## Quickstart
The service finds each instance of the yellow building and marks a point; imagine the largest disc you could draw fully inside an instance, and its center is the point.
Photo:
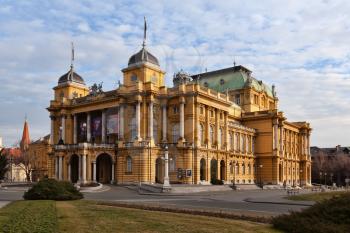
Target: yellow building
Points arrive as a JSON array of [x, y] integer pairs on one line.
[[219, 125]]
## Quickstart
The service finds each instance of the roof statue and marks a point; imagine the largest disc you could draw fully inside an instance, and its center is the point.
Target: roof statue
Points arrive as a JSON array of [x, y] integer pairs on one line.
[[96, 89]]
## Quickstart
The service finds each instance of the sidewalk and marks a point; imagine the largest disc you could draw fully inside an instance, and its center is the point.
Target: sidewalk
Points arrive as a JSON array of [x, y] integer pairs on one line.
[[3, 203]]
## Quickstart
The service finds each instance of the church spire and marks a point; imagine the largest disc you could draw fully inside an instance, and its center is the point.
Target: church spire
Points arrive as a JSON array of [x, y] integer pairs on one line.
[[25, 136]]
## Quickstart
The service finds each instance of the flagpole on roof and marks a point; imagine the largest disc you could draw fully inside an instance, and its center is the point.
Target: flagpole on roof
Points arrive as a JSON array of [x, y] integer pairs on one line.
[[144, 32]]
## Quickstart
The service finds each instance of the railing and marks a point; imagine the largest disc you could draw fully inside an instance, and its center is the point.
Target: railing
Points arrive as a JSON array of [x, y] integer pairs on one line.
[[84, 146]]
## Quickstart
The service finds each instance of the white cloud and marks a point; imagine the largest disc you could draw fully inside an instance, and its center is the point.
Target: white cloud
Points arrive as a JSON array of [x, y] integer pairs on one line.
[[301, 47]]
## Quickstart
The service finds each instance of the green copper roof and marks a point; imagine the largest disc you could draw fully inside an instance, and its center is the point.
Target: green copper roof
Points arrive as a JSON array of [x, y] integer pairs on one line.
[[232, 78]]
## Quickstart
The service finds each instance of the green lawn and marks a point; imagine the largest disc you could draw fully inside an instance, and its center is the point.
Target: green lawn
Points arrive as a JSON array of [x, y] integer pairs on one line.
[[85, 216], [319, 196]]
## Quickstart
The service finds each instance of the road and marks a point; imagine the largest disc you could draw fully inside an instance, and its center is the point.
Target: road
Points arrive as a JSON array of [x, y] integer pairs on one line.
[[228, 201]]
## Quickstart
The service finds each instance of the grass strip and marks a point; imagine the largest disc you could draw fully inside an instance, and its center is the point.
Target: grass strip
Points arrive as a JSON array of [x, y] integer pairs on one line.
[[28, 217]]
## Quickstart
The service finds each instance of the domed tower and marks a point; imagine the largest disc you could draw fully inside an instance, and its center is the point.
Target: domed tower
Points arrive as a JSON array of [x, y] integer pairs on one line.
[[70, 85], [143, 67]]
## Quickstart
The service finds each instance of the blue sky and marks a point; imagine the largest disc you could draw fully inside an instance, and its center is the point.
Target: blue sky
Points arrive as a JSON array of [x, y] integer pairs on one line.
[[301, 48]]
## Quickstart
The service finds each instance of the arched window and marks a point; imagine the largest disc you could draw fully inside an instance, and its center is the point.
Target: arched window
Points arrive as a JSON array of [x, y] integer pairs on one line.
[[175, 133], [155, 130], [242, 143], [128, 164], [231, 167], [237, 142], [201, 134], [243, 169], [211, 134], [220, 137], [237, 168], [172, 164], [132, 127], [231, 141], [249, 169]]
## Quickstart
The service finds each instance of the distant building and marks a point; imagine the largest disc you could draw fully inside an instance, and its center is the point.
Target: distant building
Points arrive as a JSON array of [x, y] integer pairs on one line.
[[331, 151], [1, 143], [40, 160], [330, 165], [16, 173]]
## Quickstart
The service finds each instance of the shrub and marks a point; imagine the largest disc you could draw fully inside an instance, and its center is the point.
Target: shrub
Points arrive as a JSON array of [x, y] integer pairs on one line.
[[51, 189], [327, 216]]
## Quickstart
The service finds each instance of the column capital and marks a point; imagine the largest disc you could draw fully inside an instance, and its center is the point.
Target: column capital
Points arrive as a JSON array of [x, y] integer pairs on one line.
[[52, 117], [182, 100]]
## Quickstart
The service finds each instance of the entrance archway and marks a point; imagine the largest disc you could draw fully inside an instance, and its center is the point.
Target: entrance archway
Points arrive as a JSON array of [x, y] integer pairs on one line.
[[222, 170], [203, 169], [213, 170], [159, 171], [74, 168], [280, 173], [104, 169]]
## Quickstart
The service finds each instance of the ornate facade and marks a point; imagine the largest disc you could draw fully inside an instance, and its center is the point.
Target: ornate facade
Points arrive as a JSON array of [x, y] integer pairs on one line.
[[219, 125]]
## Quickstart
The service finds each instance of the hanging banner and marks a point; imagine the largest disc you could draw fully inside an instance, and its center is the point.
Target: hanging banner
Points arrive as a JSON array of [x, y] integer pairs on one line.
[[112, 124], [96, 127], [82, 129]]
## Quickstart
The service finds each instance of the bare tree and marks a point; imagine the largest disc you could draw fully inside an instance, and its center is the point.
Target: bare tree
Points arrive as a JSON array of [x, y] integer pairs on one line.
[[24, 161]]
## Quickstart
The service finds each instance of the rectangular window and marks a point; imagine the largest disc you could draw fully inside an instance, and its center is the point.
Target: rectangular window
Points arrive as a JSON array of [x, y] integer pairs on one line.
[[238, 99]]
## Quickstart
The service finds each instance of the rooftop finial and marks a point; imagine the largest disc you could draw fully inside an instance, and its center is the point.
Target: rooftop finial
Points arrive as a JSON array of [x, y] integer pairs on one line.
[[72, 57], [144, 32]]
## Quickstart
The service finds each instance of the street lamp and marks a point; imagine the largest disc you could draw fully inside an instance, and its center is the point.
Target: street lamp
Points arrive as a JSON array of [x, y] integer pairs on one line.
[[325, 176], [260, 166], [331, 178], [320, 178], [166, 183], [301, 171]]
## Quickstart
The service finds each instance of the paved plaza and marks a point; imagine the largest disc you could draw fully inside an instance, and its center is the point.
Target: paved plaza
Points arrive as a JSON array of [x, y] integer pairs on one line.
[[259, 202]]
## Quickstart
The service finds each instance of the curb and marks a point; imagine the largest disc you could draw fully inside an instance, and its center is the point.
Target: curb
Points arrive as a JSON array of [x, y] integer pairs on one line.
[[278, 203]]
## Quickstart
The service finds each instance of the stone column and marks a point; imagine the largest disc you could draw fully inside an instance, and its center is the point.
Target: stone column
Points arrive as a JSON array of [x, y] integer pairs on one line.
[[150, 120], [164, 123], [79, 169], [69, 172], [275, 134], [84, 169], [94, 171], [138, 120], [88, 127], [75, 129], [227, 133], [182, 119], [121, 122], [56, 167], [166, 183], [60, 168], [112, 180], [281, 140], [103, 138], [52, 133], [63, 124]]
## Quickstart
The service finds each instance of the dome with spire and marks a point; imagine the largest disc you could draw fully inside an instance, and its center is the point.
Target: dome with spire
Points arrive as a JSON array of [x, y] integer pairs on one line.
[[143, 56], [71, 76]]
